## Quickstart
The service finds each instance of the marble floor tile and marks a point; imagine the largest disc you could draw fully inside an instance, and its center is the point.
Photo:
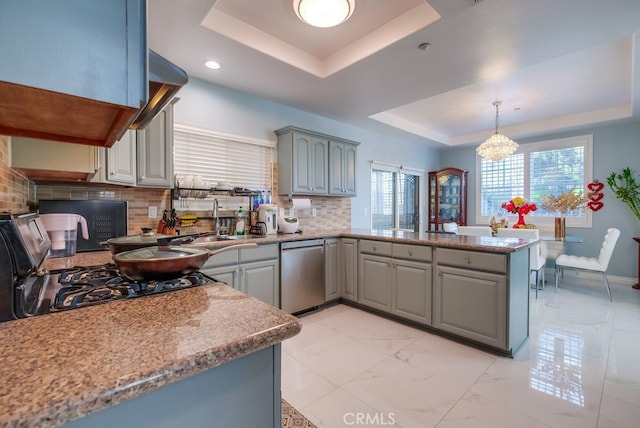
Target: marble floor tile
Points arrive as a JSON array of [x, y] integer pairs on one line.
[[579, 368]]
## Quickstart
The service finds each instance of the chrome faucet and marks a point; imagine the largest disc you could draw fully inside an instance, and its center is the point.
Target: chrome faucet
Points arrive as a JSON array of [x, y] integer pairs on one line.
[[216, 216]]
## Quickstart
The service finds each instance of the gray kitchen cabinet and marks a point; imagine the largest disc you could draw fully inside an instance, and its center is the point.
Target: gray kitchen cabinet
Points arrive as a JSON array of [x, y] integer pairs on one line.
[[470, 295], [304, 164], [348, 259], [374, 282], [217, 397], [411, 290], [254, 271], [342, 168], [374, 274], [333, 274], [262, 281], [141, 158], [118, 163], [155, 151], [396, 278]]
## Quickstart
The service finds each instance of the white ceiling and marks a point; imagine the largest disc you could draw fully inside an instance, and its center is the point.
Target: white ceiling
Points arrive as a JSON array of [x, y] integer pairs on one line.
[[554, 64]]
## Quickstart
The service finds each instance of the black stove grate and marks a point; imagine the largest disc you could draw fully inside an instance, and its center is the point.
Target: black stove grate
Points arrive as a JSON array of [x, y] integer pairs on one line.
[[83, 286]]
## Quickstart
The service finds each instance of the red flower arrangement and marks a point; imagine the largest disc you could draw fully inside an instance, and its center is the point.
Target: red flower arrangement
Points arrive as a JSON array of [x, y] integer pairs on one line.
[[520, 206]]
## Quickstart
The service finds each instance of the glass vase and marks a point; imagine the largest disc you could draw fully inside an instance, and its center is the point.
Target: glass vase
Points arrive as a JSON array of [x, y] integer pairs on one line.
[[560, 228]]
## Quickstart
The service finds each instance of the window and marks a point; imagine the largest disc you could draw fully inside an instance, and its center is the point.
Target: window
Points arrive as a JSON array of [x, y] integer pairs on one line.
[[537, 169], [395, 197], [239, 161]]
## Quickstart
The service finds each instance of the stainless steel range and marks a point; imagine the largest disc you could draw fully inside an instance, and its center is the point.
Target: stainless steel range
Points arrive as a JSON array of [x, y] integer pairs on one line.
[[27, 290]]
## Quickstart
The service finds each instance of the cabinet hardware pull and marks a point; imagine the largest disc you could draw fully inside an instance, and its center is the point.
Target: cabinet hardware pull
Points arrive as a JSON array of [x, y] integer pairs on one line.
[[467, 259], [410, 253]]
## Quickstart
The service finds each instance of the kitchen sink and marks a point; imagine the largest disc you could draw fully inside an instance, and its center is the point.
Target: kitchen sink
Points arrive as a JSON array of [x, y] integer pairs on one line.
[[204, 240], [239, 237]]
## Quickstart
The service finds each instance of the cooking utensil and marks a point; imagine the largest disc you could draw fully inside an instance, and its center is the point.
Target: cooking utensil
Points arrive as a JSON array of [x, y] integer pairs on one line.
[[132, 242], [166, 262], [162, 224]]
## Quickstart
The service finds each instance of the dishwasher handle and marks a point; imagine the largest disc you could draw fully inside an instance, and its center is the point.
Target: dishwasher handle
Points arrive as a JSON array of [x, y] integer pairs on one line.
[[292, 245]]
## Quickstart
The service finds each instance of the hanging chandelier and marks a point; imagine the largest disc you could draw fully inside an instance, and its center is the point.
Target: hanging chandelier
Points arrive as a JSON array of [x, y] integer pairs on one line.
[[324, 13], [498, 146]]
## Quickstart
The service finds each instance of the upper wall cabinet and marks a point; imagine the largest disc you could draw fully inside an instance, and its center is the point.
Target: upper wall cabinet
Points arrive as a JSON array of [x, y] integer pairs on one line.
[[73, 71], [141, 158], [342, 168], [311, 163]]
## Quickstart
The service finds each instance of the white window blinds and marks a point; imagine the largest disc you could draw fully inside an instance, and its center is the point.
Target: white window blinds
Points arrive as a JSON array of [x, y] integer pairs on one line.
[[237, 161], [537, 169]]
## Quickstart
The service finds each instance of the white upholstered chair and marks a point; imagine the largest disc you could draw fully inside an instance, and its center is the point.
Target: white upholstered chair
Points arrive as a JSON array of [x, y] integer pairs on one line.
[[450, 227], [474, 230], [593, 264], [537, 252]]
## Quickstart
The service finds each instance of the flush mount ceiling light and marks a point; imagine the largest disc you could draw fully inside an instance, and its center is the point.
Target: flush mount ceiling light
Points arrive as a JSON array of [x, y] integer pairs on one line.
[[498, 146], [324, 13]]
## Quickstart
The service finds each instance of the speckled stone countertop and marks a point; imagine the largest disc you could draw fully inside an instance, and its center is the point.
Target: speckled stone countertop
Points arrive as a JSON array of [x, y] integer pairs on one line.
[[59, 367]]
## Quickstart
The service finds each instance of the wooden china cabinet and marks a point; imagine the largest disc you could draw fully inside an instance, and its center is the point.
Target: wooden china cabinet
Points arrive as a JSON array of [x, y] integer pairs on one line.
[[447, 197]]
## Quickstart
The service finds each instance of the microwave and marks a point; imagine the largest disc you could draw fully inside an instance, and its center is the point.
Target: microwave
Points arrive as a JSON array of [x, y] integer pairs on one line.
[[105, 219]]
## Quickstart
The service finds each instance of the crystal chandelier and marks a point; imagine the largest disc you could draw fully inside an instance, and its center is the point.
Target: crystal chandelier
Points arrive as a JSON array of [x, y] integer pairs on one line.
[[324, 13], [498, 146]]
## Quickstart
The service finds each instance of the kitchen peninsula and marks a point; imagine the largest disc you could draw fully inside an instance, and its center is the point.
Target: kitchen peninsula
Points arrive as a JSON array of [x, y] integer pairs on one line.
[[184, 358], [94, 365]]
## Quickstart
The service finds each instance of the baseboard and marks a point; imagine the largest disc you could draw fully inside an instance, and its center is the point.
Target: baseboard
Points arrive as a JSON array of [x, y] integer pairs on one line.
[[575, 274]]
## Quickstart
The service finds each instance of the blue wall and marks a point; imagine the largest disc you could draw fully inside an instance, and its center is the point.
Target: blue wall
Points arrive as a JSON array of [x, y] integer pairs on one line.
[[209, 106], [614, 147], [214, 107]]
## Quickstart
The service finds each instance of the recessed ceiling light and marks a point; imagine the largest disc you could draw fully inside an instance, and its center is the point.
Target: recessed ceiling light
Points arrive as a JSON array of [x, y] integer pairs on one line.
[[424, 46], [214, 65]]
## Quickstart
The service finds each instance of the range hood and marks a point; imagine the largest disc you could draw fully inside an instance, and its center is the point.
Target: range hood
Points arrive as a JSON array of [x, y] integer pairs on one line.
[[39, 113], [165, 80]]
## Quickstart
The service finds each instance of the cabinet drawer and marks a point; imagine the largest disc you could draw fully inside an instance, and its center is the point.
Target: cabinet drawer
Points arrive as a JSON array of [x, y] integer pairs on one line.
[[375, 247], [263, 252], [411, 252], [472, 259]]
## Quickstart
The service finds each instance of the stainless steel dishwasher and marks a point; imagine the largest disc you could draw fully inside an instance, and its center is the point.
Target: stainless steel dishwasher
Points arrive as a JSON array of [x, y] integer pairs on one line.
[[302, 275]]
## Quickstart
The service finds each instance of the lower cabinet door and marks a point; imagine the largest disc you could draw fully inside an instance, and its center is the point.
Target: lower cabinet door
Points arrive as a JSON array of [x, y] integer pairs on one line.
[[333, 275], [411, 291], [348, 265], [226, 274], [261, 280], [471, 304], [374, 282]]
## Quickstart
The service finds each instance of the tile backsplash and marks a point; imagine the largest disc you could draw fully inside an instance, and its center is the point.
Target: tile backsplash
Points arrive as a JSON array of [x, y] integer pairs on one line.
[[14, 188], [331, 212]]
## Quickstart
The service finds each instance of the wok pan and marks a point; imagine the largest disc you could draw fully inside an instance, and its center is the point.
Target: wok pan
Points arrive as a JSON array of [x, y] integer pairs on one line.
[[165, 262]]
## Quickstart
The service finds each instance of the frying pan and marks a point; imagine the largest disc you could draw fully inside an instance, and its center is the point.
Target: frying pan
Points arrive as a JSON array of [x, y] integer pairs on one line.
[[148, 239], [165, 262]]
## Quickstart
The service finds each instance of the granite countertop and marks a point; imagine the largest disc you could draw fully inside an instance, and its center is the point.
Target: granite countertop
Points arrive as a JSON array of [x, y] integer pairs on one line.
[[480, 243], [62, 366]]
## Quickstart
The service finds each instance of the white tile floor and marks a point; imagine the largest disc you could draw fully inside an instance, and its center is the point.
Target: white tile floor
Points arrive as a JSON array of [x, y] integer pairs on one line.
[[580, 368]]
